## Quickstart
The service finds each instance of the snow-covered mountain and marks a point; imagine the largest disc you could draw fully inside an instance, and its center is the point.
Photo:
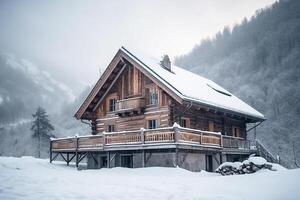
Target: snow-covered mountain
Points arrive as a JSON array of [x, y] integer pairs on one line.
[[23, 87]]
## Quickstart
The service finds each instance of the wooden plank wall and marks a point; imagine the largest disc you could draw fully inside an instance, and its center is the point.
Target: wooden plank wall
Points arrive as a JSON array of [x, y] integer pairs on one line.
[[205, 119], [132, 83]]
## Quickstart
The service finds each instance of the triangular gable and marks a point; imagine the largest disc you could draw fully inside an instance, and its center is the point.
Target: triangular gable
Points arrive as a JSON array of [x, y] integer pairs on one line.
[[121, 58]]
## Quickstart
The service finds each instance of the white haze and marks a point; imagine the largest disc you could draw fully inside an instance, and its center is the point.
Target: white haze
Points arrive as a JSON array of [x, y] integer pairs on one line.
[[74, 39]]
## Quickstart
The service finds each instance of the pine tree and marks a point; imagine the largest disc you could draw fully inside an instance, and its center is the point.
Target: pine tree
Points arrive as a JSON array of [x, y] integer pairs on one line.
[[41, 127]]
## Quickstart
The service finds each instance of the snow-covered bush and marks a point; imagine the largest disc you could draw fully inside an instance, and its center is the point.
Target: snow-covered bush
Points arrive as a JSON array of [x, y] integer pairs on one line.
[[251, 165]]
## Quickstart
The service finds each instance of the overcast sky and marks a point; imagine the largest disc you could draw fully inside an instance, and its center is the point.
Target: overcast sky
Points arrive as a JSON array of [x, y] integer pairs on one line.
[[76, 38]]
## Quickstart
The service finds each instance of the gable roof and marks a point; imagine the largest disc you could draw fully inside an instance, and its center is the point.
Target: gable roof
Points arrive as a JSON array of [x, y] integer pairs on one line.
[[184, 84]]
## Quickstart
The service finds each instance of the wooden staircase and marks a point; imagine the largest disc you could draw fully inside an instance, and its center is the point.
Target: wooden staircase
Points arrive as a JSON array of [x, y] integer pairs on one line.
[[265, 153]]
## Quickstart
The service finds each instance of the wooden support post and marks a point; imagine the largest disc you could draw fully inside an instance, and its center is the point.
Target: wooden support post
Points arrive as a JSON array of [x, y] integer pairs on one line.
[[73, 156], [221, 158], [50, 151], [62, 155], [143, 158], [54, 157], [76, 152], [82, 157], [108, 159], [68, 159], [176, 157]]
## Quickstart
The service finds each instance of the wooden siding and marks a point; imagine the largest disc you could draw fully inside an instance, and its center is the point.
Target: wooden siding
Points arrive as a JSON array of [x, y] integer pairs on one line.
[[132, 87], [208, 120]]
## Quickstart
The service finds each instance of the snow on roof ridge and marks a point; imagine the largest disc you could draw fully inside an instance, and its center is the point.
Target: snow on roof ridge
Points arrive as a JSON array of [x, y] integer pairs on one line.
[[195, 88]]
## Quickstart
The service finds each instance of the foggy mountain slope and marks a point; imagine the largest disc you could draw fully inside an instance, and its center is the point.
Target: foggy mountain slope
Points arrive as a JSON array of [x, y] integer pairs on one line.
[[259, 61], [24, 86]]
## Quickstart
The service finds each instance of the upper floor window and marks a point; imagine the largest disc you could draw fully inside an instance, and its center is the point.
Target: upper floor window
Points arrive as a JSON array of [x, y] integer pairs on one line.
[[184, 122], [235, 131], [152, 124], [111, 128], [153, 96], [112, 104]]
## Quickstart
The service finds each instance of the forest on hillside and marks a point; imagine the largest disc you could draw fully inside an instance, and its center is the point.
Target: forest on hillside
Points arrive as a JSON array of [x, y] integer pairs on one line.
[[258, 60]]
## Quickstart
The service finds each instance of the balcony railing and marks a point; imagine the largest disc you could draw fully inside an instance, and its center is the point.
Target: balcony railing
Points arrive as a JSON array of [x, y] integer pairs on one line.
[[131, 104], [235, 142], [144, 137]]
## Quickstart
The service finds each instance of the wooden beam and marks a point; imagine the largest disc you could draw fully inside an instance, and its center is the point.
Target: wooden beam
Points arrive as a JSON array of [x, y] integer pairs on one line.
[[54, 157], [116, 78]]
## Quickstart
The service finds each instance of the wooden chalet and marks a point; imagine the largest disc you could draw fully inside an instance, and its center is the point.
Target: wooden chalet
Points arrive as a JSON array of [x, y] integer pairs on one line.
[[145, 112]]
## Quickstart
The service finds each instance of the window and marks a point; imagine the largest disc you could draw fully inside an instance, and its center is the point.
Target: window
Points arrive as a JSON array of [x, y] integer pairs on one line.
[[112, 104], [153, 96], [235, 131], [184, 122], [111, 128], [152, 124]]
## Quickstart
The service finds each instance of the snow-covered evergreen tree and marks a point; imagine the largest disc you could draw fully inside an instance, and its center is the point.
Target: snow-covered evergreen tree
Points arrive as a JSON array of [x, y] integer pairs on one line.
[[41, 127]]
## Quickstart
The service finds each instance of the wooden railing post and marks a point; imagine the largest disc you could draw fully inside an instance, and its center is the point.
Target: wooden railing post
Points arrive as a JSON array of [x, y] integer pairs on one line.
[[221, 141], [201, 139], [50, 150], [176, 131], [142, 135]]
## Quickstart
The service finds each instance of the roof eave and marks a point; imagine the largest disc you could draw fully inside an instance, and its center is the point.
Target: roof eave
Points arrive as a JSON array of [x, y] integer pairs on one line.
[[226, 110]]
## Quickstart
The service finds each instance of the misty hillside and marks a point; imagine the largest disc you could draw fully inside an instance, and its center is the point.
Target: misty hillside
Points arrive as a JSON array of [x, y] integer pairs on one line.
[[23, 87], [259, 61]]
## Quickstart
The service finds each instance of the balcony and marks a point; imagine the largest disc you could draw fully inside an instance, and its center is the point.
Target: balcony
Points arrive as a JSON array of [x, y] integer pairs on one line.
[[170, 137], [131, 106]]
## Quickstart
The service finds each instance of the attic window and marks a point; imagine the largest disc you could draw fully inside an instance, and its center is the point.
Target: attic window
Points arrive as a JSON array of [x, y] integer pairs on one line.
[[217, 90]]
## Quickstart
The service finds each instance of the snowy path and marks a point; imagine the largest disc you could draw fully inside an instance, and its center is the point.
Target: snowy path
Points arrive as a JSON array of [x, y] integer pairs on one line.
[[29, 178]]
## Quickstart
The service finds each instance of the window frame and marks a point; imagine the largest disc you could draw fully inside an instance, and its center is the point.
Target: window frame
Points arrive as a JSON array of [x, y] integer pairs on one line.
[[186, 120], [110, 128], [150, 124], [236, 131], [153, 96], [112, 102]]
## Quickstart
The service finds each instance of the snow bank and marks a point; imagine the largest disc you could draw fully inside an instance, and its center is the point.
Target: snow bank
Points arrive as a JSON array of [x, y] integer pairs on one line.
[[35, 179], [256, 160]]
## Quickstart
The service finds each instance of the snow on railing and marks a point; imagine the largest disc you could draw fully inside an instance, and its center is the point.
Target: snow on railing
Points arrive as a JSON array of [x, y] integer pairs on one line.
[[175, 134]]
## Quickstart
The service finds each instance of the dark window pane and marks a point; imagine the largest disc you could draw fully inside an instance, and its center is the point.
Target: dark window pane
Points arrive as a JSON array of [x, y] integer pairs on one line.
[[183, 122], [152, 124], [112, 105], [111, 128]]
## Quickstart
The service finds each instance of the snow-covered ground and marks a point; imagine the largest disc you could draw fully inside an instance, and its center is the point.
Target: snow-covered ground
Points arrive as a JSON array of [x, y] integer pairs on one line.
[[30, 178]]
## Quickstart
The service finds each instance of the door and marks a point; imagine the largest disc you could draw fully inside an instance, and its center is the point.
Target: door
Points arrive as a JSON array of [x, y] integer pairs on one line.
[[209, 163], [127, 161], [103, 161]]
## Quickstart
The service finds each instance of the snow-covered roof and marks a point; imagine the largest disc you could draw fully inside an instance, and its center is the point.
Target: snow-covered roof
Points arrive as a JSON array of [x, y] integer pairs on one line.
[[192, 87]]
